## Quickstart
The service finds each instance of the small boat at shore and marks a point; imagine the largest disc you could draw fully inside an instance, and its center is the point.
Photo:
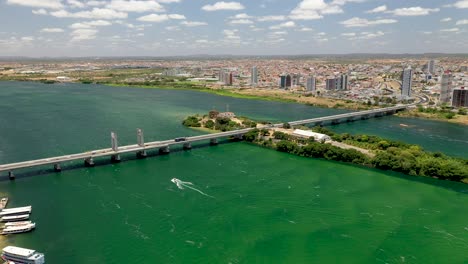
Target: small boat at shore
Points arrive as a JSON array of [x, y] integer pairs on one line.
[[20, 223], [22, 255], [17, 210], [3, 203], [12, 218], [18, 229]]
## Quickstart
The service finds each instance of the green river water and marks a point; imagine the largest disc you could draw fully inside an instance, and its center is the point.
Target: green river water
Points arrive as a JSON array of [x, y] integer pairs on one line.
[[267, 206]]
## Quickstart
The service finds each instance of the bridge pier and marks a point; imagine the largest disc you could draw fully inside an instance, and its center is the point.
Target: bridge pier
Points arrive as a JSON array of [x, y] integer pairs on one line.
[[237, 137], [350, 119], [364, 117], [319, 123], [11, 175], [335, 122], [187, 146], [57, 167], [89, 162], [115, 158], [213, 141], [141, 154], [164, 150]]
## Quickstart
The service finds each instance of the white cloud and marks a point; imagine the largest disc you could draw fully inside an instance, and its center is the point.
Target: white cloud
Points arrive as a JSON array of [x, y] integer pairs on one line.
[[91, 24], [241, 21], [450, 30], [461, 4], [363, 35], [160, 18], [95, 13], [413, 11], [223, 6], [362, 22], [135, 6], [193, 23], [241, 16], [271, 18], [169, 1], [76, 4], [378, 9], [305, 29], [231, 35], [288, 24], [315, 9], [83, 34], [40, 12], [95, 3], [447, 19], [53, 4], [52, 30], [27, 38], [462, 22]]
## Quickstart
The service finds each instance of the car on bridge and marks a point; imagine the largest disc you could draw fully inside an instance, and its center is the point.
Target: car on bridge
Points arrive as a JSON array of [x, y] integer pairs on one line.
[[179, 139]]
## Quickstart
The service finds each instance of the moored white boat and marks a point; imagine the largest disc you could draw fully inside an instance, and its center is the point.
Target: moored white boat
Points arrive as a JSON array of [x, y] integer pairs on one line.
[[20, 223], [18, 229], [11, 218], [22, 255], [17, 210]]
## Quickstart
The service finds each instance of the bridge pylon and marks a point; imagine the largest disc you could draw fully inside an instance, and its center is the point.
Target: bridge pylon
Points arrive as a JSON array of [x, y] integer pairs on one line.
[[141, 142], [115, 147]]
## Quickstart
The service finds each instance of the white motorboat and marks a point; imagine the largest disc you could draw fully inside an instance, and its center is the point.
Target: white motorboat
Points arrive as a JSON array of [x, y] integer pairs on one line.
[[22, 255]]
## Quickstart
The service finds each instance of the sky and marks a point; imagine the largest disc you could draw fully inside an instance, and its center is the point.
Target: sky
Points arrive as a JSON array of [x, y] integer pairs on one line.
[[74, 28]]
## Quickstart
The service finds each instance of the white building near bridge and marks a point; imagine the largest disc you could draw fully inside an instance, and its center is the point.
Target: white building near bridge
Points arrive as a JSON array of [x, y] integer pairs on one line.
[[308, 134]]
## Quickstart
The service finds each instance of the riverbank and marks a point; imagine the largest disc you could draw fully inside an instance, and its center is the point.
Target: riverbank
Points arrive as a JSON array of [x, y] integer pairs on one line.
[[289, 97], [456, 119]]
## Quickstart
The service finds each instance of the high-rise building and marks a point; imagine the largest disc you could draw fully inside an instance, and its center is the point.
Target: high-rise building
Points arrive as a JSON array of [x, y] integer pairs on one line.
[[221, 76], [406, 82], [445, 88], [311, 84], [431, 66], [344, 82], [254, 76], [228, 78], [283, 81], [295, 79], [460, 97], [330, 84]]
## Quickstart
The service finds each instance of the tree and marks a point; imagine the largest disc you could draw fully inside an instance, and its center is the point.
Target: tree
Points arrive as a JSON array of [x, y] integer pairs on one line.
[[213, 114], [209, 124], [286, 126], [251, 135]]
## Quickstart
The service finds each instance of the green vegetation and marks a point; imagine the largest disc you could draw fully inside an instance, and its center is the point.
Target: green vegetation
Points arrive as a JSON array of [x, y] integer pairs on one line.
[[442, 112], [214, 121], [389, 154]]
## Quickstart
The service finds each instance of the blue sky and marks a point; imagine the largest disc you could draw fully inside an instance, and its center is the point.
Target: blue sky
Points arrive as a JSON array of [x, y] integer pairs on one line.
[[240, 27]]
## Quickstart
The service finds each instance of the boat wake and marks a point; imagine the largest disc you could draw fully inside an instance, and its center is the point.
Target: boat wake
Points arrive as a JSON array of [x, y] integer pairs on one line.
[[181, 184]]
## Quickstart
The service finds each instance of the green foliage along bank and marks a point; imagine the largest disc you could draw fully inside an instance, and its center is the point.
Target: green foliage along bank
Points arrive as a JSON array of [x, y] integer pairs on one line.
[[389, 155]]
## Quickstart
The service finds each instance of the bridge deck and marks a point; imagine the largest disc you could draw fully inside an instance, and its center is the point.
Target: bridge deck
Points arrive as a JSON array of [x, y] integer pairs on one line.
[[166, 143]]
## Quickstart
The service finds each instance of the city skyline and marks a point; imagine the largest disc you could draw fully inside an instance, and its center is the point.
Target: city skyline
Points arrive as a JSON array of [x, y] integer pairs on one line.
[[75, 28]]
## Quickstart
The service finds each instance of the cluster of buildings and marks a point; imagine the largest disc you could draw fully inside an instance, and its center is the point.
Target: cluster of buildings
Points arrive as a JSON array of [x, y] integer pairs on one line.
[[364, 80]]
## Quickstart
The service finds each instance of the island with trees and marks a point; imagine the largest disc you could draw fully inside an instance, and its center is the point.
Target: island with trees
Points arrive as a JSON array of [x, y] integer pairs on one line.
[[365, 150]]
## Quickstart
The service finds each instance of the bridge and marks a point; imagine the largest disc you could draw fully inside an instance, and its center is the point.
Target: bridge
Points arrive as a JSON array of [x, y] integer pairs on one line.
[[141, 147]]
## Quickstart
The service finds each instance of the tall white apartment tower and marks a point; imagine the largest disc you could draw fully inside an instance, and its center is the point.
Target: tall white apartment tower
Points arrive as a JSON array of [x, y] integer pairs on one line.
[[311, 84], [406, 82], [254, 76], [431, 66], [446, 88]]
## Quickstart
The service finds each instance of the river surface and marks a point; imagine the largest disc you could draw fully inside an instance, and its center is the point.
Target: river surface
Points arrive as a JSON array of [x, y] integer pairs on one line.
[[254, 206]]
